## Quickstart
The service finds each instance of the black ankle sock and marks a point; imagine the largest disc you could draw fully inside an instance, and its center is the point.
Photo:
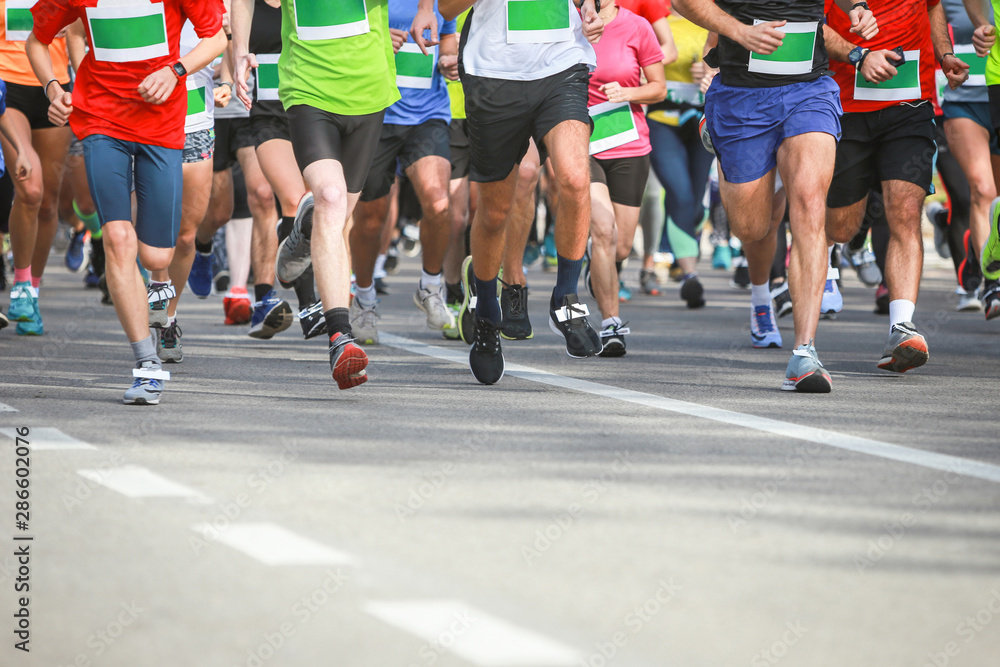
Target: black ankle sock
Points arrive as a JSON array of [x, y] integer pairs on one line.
[[203, 248], [304, 290], [337, 321], [261, 290], [285, 228], [454, 292], [618, 267]]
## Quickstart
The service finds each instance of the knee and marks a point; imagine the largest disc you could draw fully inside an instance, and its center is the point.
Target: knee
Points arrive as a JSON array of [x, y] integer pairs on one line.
[[119, 243], [185, 240], [439, 207], [527, 175], [982, 190], [260, 197], [330, 198], [840, 229], [574, 185], [30, 192]]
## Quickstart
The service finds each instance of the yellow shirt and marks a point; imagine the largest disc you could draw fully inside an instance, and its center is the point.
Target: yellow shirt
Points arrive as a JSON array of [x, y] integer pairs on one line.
[[681, 87]]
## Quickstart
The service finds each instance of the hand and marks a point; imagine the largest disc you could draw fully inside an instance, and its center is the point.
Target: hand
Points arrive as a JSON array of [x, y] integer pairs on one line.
[[698, 70], [223, 93], [983, 39], [61, 107], [877, 67], [424, 20], [244, 63], [449, 67], [706, 80], [22, 168], [158, 86], [593, 26], [616, 93], [956, 71], [762, 38], [863, 22], [399, 37]]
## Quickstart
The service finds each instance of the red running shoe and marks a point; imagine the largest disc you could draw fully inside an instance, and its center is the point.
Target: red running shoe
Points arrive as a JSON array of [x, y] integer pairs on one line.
[[347, 361], [237, 306]]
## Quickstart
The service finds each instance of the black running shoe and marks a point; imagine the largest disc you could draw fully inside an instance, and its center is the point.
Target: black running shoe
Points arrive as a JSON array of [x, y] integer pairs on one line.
[[514, 305], [312, 321], [693, 292], [102, 284], [569, 320], [991, 299], [485, 356], [381, 287], [741, 276], [613, 340]]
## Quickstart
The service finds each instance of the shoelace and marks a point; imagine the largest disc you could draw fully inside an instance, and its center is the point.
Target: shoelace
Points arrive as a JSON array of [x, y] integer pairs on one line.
[[342, 341], [487, 338], [765, 323], [172, 333], [518, 296]]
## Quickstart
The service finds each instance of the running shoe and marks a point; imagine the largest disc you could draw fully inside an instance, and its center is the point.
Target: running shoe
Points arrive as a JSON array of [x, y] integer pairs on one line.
[[763, 329], [968, 301], [431, 303], [168, 344], [271, 316], [782, 299], [294, 252], [906, 349], [693, 292], [991, 299], [237, 306], [833, 301], [453, 332], [549, 252], [74, 251], [91, 280], [33, 326], [220, 283], [514, 306], [3, 320], [347, 362], [200, 279], [805, 372], [990, 261], [381, 288], [312, 321], [570, 321], [22, 302], [613, 340], [409, 240], [970, 274], [649, 283], [741, 274], [624, 292], [159, 296], [392, 260], [467, 312], [532, 253], [938, 216], [863, 263], [882, 300], [486, 356], [722, 257], [364, 322], [147, 387]]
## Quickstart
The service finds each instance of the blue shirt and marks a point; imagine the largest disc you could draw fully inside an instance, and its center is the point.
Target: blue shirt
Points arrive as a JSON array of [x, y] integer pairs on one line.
[[418, 106]]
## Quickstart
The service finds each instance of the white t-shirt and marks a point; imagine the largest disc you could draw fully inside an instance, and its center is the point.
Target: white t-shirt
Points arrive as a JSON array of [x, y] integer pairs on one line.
[[497, 50], [200, 81]]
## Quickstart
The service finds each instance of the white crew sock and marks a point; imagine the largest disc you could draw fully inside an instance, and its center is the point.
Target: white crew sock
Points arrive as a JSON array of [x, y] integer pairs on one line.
[[616, 321], [760, 295], [428, 280], [900, 311], [366, 294], [380, 267]]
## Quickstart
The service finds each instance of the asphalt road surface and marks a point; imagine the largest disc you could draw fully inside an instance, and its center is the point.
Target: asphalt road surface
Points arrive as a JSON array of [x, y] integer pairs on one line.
[[671, 508]]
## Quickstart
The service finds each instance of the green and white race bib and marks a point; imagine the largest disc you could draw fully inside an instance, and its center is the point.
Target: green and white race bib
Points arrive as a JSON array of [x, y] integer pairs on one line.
[[18, 19], [977, 65], [413, 68], [679, 92], [330, 19], [267, 77], [614, 126], [903, 87], [538, 21], [128, 34], [197, 107], [794, 56]]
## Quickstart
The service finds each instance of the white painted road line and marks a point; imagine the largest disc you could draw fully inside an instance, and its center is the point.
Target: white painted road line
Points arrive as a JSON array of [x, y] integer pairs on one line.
[[451, 626], [43, 438], [138, 482], [926, 459], [7, 408], [272, 544]]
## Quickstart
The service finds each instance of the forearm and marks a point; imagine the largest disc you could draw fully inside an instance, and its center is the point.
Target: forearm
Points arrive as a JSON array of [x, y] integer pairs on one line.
[[648, 93], [207, 50], [240, 20], [708, 15], [449, 45], [939, 31], [837, 47], [978, 11], [226, 68], [41, 62], [449, 8], [10, 134], [666, 39]]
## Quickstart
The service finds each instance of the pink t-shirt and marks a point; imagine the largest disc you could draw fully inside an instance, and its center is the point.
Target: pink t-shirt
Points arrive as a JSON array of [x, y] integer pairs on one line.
[[628, 45]]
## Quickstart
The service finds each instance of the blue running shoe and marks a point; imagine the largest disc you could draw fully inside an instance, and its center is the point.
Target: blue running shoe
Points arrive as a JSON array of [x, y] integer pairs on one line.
[[763, 329], [22, 300], [271, 316], [806, 373], [833, 301], [74, 252], [200, 279], [32, 327], [91, 280], [722, 257], [624, 292]]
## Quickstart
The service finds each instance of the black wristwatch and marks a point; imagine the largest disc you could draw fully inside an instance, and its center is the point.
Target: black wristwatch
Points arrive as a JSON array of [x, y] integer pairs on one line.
[[862, 5], [856, 56], [179, 70], [861, 61], [597, 5]]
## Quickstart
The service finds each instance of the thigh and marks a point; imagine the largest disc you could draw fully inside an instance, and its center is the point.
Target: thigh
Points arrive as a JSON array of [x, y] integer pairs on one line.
[[568, 146], [277, 161], [904, 202], [197, 189], [159, 189], [382, 171], [560, 98], [969, 143], [430, 178], [602, 213], [428, 140], [499, 125], [109, 176], [627, 180]]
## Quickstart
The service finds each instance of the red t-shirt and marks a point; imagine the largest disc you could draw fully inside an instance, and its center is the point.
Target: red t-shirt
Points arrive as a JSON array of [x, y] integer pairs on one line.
[[628, 45], [131, 42], [651, 10], [902, 23]]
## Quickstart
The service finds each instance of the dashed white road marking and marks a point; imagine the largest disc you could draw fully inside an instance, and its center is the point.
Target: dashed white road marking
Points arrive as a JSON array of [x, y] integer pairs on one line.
[[41, 438], [7, 408], [137, 482], [272, 544]]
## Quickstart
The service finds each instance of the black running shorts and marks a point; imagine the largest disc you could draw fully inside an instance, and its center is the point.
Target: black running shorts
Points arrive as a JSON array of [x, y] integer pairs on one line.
[[265, 128], [504, 115], [231, 136], [460, 150], [31, 101], [321, 135], [398, 148], [624, 176], [994, 93], [894, 144]]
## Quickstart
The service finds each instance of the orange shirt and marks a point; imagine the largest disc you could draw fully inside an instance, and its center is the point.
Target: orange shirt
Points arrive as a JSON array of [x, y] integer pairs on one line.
[[14, 65]]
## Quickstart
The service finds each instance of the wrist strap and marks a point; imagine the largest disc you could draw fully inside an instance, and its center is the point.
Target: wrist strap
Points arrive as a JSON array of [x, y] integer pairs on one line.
[[950, 53], [863, 5], [863, 56], [49, 83]]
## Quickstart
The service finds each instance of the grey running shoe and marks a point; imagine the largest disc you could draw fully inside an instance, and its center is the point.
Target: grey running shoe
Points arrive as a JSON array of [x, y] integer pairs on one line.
[[168, 344], [431, 303], [968, 301], [148, 384], [364, 321], [863, 262], [805, 372], [906, 349], [294, 253], [159, 296]]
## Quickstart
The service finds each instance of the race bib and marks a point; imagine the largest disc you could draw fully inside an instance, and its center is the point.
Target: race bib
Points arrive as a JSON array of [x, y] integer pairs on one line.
[[977, 65], [614, 126], [685, 93], [903, 87], [128, 34], [538, 21], [323, 19], [413, 68], [794, 56], [18, 19], [267, 77], [198, 101]]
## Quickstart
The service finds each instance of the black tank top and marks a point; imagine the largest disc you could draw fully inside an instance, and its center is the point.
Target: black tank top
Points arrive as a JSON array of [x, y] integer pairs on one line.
[[265, 38]]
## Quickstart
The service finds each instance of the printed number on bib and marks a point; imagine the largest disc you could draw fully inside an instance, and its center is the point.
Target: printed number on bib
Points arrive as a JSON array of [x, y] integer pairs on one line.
[[977, 66], [538, 21], [679, 92], [326, 19], [413, 68], [614, 126], [794, 56], [128, 34], [197, 107], [18, 19], [903, 87], [267, 77]]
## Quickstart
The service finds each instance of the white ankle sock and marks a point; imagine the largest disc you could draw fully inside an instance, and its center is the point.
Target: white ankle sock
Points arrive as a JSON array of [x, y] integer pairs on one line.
[[616, 321], [366, 294], [760, 295], [380, 267], [427, 280], [901, 311]]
